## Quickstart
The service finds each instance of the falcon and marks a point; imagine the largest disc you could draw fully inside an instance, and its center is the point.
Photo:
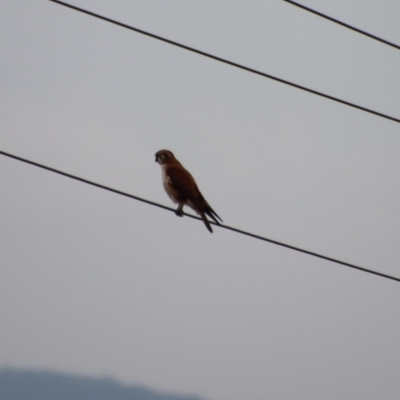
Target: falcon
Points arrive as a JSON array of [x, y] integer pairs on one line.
[[182, 188]]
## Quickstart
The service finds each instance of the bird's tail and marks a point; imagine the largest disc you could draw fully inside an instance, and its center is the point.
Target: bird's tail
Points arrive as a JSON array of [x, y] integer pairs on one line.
[[203, 208], [212, 214], [205, 220]]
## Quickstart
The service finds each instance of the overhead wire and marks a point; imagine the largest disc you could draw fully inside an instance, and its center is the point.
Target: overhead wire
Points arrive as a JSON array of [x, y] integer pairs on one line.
[[190, 215], [343, 24], [225, 61], [222, 226]]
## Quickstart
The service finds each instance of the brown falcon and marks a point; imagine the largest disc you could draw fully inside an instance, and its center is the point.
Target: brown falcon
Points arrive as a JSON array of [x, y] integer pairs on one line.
[[182, 188]]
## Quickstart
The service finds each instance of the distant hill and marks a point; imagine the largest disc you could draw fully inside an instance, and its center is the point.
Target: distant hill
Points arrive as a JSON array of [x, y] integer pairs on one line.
[[25, 384]]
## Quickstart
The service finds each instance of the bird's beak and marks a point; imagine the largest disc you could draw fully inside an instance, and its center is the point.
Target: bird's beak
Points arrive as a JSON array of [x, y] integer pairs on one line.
[[156, 159]]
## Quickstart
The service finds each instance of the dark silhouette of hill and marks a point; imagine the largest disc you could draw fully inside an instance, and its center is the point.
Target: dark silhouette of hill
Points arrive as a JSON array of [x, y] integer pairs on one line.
[[26, 384]]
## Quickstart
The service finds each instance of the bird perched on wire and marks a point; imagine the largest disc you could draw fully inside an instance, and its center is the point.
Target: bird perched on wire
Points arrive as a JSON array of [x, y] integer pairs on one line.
[[182, 188]]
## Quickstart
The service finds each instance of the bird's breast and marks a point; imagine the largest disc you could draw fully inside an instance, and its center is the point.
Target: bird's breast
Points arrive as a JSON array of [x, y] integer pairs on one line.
[[168, 186]]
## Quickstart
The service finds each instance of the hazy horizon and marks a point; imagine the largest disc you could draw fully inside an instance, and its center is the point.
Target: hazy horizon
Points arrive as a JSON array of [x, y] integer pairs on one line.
[[31, 384]]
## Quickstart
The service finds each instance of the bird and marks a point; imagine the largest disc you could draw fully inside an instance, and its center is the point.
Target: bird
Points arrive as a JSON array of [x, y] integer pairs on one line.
[[182, 188]]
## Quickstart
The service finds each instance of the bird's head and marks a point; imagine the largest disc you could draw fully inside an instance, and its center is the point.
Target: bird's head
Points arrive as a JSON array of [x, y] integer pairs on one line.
[[164, 156]]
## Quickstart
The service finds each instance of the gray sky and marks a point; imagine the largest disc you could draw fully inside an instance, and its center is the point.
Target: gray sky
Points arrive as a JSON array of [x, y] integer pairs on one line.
[[98, 284]]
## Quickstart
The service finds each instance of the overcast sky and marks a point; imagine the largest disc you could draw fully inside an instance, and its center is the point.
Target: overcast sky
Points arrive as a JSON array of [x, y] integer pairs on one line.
[[98, 284]]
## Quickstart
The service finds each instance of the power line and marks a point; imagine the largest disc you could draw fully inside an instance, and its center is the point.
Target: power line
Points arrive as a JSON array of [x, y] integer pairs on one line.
[[152, 203], [203, 53], [343, 24]]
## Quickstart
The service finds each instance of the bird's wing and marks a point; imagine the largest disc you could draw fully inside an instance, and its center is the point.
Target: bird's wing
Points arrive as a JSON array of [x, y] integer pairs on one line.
[[183, 182]]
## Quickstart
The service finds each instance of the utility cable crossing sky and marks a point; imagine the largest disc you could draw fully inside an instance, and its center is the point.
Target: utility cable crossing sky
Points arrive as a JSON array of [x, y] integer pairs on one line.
[[243, 67], [353, 28], [152, 203]]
